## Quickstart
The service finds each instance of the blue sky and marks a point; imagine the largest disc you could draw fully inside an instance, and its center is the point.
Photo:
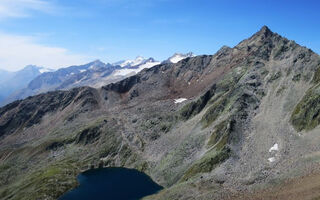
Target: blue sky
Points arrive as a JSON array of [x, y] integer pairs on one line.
[[58, 33]]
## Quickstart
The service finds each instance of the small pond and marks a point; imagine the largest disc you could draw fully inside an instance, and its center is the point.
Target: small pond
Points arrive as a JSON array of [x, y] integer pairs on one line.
[[112, 184]]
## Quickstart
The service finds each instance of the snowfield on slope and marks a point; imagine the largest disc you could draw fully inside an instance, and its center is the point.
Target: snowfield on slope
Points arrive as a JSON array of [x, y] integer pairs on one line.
[[180, 100]]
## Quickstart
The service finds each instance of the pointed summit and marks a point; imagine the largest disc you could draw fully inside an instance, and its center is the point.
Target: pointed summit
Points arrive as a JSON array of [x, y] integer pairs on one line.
[[265, 31], [263, 36], [97, 62]]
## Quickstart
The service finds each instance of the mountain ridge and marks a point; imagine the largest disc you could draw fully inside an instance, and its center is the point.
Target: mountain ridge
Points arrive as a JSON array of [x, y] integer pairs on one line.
[[13, 81], [94, 74], [217, 143]]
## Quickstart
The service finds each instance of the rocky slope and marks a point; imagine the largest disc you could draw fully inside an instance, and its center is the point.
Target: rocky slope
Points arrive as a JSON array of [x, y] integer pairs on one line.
[[241, 123]]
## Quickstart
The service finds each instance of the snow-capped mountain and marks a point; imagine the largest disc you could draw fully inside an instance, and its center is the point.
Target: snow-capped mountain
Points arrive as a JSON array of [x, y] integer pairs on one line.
[[94, 74], [178, 57], [139, 60], [130, 63], [131, 67], [44, 70]]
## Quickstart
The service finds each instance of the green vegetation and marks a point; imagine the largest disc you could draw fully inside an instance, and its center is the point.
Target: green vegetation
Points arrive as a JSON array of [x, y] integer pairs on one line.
[[173, 165], [207, 163], [4, 167], [125, 153], [316, 76], [306, 114], [88, 135], [46, 183], [217, 153], [110, 147], [264, 72], [165, 127], [58, 154], [215, 111], [142, 166], [220, 133], [217, 96], [159, 123], [281, 49], [280, 90], [227, 95], [296, 77], [306, 77], [275, 76], [196, 107]]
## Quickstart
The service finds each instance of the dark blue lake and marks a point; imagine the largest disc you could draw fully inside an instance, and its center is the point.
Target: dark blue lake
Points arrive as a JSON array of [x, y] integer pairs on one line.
[[112, 184]]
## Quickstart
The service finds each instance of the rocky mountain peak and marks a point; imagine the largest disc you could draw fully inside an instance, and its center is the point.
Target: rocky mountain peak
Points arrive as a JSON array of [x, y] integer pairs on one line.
[[265, 31], [259, 37], [263, 35], [264, 44], [97, 63], [150, 60]]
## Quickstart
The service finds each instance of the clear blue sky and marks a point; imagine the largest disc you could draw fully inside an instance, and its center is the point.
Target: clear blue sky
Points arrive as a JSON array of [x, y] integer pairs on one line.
[[112, 30]]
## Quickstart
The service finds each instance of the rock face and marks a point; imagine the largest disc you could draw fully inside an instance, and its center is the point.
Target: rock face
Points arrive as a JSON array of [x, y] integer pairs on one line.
[[238, 103]]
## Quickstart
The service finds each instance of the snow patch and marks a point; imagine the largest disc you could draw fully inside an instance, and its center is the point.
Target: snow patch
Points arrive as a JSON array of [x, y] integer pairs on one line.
[[43, 70], [126, 71], [275, 147], [272, 159], [82, 70], [178, 57], [180, 100], [131, 63]]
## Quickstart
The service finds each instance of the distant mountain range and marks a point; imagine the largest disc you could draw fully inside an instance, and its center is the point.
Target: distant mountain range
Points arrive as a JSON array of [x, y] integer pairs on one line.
[[13, 81], [34, 80]]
